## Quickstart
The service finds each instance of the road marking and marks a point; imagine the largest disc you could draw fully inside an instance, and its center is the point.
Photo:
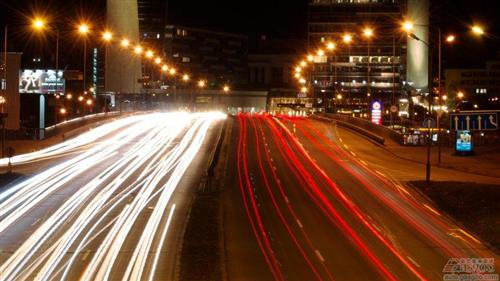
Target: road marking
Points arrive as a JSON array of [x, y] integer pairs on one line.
[[363, 161], [320, 257], [286, 200], [340, 139], [432, 210], [86, 255], [413, 261], [299, 223], [376, 227], [380, 173], [470, 236], [403, 189], [35, 222], [354, 154]]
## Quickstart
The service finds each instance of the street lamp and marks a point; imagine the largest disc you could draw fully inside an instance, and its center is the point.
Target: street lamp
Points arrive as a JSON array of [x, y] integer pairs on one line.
[[347, 38], [125, 43], [368, 34], [185, 77], [201, 83], [226, 88], [450, 38], [107, 36], [138, 50], [83, 30], [39, 24], [478, 30]]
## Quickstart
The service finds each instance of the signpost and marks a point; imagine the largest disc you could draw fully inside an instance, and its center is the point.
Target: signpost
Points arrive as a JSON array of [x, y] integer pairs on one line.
[[474, 121], [465, 123]]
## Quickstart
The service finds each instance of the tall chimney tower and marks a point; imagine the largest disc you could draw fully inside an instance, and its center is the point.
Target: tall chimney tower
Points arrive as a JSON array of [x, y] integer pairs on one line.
[[122, 69]]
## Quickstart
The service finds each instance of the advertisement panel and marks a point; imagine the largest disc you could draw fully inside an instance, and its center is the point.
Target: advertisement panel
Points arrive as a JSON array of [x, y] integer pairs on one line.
[[376, 110], [464, 142], [38, 81]]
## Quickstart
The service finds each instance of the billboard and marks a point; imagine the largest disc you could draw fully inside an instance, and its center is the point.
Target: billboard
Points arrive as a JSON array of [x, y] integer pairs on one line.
[[464, 141], [376, 109], [38, 81]]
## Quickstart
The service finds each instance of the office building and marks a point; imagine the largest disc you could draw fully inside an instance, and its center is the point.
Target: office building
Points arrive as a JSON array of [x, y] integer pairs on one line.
[[482, 86], [366, 66], [152, 23], [215, 56]]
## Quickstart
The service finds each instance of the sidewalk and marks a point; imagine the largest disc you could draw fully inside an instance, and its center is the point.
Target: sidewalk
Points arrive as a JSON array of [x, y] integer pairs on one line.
[[485, 162]]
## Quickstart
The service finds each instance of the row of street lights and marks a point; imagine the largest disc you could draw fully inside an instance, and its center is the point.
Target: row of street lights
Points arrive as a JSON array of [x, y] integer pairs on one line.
[[84, 29]]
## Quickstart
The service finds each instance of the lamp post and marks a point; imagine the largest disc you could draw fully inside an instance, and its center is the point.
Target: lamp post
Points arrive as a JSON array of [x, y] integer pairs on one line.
[[368, 34], [347, 40], [83, 29], [408, 27]]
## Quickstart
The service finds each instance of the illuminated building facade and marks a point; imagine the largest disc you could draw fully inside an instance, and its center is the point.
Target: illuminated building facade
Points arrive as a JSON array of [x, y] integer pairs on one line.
[[368, 66]]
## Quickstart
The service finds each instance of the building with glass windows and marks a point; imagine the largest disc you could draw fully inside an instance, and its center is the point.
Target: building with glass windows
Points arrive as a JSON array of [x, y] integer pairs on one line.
[[370, 57]]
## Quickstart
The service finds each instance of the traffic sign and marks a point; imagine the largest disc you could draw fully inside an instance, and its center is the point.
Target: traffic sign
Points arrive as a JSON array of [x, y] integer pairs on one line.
[[474, 121], [429, 123]]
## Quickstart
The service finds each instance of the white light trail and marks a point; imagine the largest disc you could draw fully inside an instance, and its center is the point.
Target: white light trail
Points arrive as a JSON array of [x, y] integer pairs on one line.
[[147, 157]]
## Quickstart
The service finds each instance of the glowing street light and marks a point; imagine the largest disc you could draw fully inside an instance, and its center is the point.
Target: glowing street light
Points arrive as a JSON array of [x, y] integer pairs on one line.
[[460, 95], [226, 88], [185, 77], [298, 69], [69, 96], [339, 97], [80, 98], [138, 50], [172, 71], [89, 102], [62, 111], [310, 58], [303, 63], [450, 38], [408, 26], [125, 43], [201, 83], [347, 38], [107, 36], [38, 23], [303, 89], [330, 46], [149, 54], [164, 68], [478, 30], [83, 29], [320, 52], [302, 81], [297, 75], [158, 60], [368, 32]]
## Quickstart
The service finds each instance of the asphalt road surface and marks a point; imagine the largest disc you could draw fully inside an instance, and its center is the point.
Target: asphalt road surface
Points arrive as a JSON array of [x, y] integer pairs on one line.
[[110, 204], [298, 205]]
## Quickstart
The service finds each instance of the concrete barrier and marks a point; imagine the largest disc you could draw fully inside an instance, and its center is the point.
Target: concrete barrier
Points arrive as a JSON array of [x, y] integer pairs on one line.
[[366, 133], [379, 130], [76, 123]]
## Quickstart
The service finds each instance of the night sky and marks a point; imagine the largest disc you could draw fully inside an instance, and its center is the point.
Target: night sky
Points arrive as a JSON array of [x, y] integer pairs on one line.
[[282, 18]]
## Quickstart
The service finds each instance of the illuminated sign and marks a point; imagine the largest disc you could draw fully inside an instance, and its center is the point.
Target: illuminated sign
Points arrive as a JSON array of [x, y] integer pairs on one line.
[[464, 141], [41, 82], [376, 109]]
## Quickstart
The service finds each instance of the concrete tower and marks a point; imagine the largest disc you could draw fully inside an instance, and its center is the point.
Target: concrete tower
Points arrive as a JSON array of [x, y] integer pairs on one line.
[[418, 52], [123, 70]]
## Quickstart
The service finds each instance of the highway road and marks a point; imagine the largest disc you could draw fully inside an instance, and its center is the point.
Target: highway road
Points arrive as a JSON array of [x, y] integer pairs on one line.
[[298, 205], [110, 204]]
